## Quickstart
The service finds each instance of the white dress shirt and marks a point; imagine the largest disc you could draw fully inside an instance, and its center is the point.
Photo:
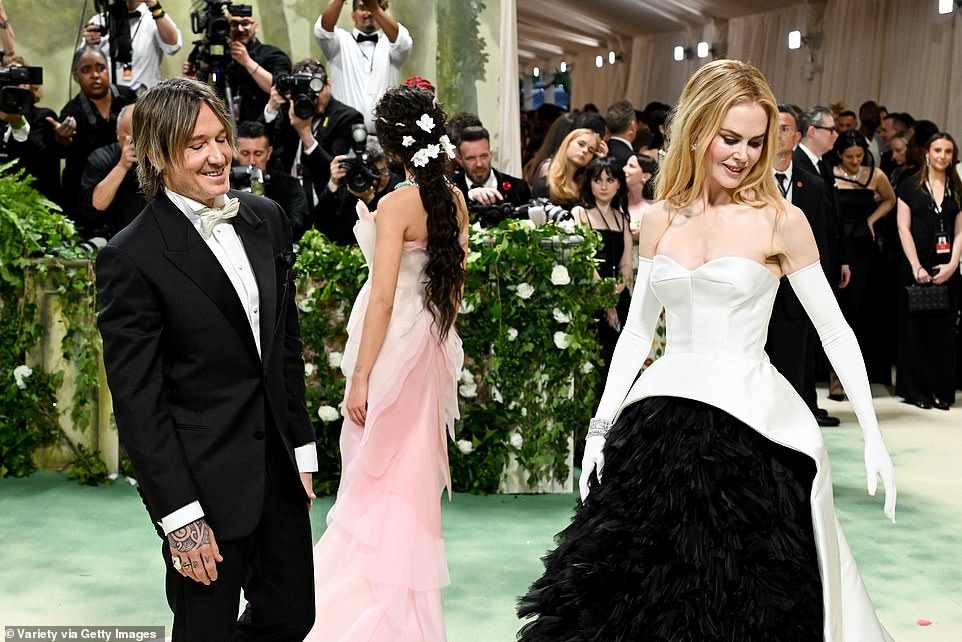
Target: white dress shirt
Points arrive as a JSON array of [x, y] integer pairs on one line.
[[788, 179], [147, 48], [362, 72]]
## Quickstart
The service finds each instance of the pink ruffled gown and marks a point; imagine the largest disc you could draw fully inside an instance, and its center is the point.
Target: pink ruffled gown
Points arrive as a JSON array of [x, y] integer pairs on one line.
[[380, 565]]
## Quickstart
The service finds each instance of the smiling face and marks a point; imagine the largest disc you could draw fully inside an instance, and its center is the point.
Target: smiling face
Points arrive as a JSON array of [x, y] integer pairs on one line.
[[852, 158], [737, 146], [201, 174], [941, 154], [634, 175]]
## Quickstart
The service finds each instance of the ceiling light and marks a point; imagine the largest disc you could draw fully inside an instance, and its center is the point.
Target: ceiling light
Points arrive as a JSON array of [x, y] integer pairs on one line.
[[703, 49], [945, 6], [611, 57], [536, 72], [563, 67], [599, 61], [679, 53], [794, 39]]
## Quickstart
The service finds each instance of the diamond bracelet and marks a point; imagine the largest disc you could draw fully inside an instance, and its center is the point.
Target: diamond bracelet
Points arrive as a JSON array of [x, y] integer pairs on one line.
[[598, 427]]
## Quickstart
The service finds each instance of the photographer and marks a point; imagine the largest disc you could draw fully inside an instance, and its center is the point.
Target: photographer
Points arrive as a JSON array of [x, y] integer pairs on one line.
[[337, 211], [308, 126], [250, 72], [150, 34], [366, 61], [28, 137], [111, 196], [254, 153], [489, 192]]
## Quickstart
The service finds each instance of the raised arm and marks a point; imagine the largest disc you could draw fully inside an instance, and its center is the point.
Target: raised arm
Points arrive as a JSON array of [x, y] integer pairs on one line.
[[330, 14]]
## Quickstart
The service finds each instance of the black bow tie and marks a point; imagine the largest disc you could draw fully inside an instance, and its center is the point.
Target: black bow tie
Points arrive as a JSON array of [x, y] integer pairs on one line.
[[367, 37], [134, 14]]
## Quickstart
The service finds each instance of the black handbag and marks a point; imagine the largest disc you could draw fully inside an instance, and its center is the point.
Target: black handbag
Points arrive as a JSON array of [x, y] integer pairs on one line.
[[927, 298]]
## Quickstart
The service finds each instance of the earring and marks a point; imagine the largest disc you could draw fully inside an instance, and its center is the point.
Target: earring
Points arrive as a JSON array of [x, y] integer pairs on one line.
[[694, 146]]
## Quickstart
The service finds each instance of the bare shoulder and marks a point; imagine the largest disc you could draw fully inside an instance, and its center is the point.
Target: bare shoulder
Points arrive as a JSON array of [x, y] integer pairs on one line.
[[657, 219]]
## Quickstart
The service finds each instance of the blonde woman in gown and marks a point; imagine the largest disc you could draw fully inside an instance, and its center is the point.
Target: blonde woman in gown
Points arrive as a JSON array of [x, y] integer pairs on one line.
[[380, 565], [707, 512]]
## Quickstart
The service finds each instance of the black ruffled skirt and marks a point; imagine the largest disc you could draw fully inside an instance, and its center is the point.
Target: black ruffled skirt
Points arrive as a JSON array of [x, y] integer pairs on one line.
[[701, 531]]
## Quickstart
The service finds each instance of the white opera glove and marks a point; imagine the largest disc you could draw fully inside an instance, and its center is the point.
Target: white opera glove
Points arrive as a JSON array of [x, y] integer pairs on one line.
[[841, 348], [632, 348]]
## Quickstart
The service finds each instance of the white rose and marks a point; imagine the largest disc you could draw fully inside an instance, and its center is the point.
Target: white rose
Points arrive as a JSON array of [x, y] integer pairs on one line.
[[466, 308], [561, 340], [512, 334], [559, 275], [587, 367], [468, 390], [568, 225], [512, 405], [306, 305], [465, 446], [524, 412], [560, 316], [328, 413], [308, 369], [334, 359], [516, 440], [525, 290], [20, 373], [465, 376], [496, 394]]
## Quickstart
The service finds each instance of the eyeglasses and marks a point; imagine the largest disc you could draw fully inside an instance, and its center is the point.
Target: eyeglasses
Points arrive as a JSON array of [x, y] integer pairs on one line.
[[828, 129]]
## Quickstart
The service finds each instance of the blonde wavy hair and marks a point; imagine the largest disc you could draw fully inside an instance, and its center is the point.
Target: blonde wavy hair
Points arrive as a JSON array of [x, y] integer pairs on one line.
[[559, 191], [694, 123]]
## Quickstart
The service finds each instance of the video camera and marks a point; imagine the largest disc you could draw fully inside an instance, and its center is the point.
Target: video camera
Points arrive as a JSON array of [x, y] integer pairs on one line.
[[248, 178], [302, 89], [362, 173], [15, 99], [207, 17]]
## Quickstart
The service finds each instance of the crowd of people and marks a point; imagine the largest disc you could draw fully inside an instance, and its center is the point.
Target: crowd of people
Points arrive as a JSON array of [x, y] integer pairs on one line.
[[821, 235]]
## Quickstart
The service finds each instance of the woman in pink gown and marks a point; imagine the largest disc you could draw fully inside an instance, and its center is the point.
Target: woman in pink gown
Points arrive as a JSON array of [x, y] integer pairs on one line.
[[380, 565]]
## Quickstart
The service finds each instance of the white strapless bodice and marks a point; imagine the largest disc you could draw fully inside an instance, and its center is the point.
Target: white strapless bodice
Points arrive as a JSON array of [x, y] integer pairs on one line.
[[721, 308]]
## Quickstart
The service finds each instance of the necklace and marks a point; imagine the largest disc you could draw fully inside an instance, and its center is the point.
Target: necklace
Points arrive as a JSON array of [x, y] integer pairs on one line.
[[851, 177]]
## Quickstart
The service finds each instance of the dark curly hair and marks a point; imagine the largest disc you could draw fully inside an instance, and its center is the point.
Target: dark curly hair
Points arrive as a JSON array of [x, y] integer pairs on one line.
[[396, 117]]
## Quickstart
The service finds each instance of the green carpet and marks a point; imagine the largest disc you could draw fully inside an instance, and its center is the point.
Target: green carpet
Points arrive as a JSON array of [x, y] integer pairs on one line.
[[74, 555]]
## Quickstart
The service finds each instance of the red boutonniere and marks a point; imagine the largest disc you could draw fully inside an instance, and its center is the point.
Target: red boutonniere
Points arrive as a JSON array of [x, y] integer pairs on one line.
[[506, 186]]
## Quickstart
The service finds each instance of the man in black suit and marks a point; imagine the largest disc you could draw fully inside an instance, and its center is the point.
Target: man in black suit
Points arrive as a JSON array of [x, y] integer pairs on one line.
[[203, 356], [792, 340], [623, 127], [306, 144], [486, 188]]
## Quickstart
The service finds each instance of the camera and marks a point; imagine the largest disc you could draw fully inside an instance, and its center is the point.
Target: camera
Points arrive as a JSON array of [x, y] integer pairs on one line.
[[538, 210], [362, 173], [247, 178], [302, 89], [212, 50], [14, 99]]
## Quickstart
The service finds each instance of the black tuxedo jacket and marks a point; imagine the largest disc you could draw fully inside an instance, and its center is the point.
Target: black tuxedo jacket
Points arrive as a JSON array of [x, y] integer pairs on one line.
[[620, 151], [513, 190], [196, 406], [332, 129], [828, 231]]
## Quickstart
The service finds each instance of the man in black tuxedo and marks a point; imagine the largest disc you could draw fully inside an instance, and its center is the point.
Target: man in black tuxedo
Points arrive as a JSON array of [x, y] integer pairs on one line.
[[623, 126], [486, 188], [306, 144], [203, 356], [792, 340]]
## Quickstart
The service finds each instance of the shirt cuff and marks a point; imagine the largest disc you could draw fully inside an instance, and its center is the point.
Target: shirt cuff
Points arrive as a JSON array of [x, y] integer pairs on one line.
[[181, 517], [269, 116], [306, 458], [310, 150], [20, 134]]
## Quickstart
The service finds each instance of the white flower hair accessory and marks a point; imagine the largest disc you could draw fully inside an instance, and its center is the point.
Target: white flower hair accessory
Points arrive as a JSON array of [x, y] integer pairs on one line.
[[448, 147], [426, 123], [407, 141], [423, 155]]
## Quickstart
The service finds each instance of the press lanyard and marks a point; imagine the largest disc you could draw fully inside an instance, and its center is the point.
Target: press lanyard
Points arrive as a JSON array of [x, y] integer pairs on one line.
[[942, 245]]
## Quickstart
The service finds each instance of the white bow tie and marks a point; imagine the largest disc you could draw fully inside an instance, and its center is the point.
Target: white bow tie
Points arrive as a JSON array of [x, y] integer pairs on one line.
[[210, 217]]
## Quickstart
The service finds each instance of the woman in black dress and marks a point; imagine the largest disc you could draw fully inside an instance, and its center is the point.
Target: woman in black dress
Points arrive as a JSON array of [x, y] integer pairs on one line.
[[930, 227]]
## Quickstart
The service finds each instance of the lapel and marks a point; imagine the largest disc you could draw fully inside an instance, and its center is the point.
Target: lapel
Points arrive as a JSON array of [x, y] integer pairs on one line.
[[257, 243], [185, 248]]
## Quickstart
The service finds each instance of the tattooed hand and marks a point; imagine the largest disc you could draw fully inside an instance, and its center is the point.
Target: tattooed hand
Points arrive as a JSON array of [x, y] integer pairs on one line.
[[194, 552]]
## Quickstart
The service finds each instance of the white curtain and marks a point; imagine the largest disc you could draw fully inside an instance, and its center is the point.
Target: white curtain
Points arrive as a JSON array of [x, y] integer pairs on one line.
[[900, 53], [509, 121]]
